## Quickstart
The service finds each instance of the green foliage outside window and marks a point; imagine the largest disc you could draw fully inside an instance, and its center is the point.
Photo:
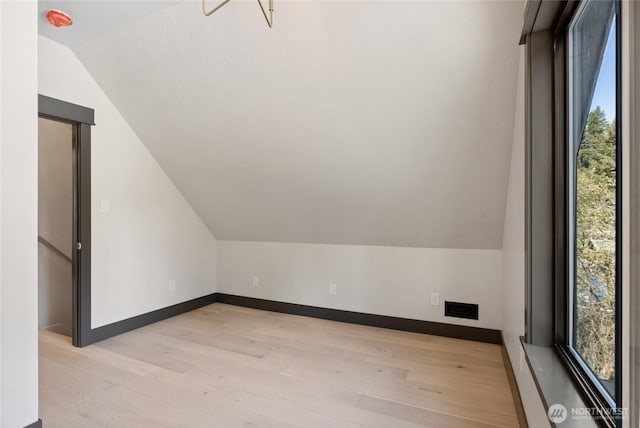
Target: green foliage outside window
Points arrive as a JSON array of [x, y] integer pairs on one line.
[[596, 245]]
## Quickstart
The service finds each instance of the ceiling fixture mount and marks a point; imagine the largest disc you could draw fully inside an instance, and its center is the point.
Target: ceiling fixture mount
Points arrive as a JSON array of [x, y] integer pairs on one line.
[[58, 18], [268, 17]]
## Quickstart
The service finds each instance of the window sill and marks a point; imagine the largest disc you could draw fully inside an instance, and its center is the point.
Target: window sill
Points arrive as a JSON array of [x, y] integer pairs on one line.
[[554, 384]]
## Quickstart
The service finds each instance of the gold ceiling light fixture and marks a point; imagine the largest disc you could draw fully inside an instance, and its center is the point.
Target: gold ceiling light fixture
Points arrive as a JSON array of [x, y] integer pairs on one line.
[[268, 17]]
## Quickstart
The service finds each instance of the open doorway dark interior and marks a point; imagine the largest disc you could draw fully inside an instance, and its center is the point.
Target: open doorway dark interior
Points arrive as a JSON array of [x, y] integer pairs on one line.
[[64, 223]]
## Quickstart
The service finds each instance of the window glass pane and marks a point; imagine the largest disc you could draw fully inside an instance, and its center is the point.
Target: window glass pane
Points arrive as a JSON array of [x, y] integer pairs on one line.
[[594, 180]]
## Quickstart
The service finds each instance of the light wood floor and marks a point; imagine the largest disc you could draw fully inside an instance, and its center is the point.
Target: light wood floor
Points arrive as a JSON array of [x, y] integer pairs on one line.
[[225, 366]]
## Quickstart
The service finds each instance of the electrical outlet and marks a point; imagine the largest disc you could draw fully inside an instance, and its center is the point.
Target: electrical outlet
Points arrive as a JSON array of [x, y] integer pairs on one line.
[[172, 285], [255, 281], [105, 206], [435, 299], [333, 288]]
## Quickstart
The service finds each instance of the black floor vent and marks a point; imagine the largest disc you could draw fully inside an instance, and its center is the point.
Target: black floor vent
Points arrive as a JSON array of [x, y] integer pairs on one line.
[[461, 310]]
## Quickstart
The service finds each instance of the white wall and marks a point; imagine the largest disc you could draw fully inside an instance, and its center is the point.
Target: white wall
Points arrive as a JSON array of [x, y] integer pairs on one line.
[[55, 183], [18, 213], [151, 235], [392, 281], [513, 265], [382, 129], [2, 83]]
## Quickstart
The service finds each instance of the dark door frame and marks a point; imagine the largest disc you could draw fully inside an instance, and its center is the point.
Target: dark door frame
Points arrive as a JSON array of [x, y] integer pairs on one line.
[[82, 118]]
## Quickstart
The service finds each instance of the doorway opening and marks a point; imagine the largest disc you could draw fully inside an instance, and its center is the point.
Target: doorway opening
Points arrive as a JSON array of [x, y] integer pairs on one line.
[[64, 219], [56, 148]]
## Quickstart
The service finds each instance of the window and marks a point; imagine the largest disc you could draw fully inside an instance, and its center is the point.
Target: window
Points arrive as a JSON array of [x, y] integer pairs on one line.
[[573, 200], [593, 318]]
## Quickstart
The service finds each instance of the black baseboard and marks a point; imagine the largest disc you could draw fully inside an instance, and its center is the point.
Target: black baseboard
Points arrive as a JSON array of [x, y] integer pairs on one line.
[[119, 327], [477, 334], [36, 424], [405, 324]]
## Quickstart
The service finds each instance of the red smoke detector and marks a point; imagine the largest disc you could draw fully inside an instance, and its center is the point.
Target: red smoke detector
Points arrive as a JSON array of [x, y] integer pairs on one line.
[[58, 18]]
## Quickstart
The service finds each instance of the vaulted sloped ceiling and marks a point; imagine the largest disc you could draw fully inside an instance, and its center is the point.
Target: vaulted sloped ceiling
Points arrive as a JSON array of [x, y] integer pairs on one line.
[[349, 122]]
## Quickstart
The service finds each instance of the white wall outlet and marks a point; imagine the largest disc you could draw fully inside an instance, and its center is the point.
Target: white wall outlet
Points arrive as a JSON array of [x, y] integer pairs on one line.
[[435, 299], [333, 288], [172, 285], [255, 281], [105, 205]]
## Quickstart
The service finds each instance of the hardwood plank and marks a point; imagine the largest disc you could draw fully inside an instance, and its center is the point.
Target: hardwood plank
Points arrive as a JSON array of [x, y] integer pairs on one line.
[[225, 366], [423, 417]]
